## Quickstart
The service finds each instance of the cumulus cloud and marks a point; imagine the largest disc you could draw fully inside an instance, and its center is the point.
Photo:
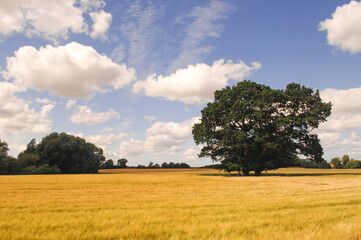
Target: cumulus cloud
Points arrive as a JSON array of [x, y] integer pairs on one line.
[[196, 83], [84, 114], [191, 154], [73, 70], [105, 139], [344, 28], [52, 20], [329, 140], [346, 109], [166, 137], [204, 24], [16, 116], [131, 148], [101, 24]]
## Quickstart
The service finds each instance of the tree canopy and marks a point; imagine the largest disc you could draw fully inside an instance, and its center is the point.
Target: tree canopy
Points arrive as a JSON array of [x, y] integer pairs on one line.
[[71, 154], [252, 127]]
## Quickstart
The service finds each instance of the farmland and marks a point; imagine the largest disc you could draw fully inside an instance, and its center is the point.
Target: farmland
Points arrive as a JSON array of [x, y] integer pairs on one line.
[[182, 204]]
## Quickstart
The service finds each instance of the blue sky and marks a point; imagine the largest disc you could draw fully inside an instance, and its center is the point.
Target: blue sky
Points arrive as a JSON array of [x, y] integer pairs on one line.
[[133, 76]]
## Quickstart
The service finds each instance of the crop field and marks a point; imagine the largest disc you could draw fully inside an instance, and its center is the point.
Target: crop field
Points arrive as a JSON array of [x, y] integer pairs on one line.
[[182, 204]]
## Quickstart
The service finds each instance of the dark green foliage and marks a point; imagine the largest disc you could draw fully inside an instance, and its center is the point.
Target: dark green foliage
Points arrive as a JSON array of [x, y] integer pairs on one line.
[[251, 127], [3, 149], [9, 165], [345, 162], [71, 154], [27, 159], [122, 163], [31, 147], [336, 162], [352, 164], [108, 164], [345, 159], [164, 165], [174, 165], [306, 163], [43, 169]]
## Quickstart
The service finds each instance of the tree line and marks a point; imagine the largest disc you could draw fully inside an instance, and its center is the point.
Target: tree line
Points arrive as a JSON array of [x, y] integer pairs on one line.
[[345, 162], [121, 163], [63, 153], [56, 153]]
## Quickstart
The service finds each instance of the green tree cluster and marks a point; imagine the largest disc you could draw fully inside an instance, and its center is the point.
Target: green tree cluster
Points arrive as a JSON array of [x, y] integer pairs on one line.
[[345, 162], [165, 165], [56, 153], [307, 163], [109, 164], [8, 164], [251, 127]]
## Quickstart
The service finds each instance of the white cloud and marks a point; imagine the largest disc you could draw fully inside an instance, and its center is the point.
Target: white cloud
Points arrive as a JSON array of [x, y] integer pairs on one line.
[[105, 139], [196, 83], [131, 148], [166, 137], [149, 118], [101, 24], [16, 116], [344, 28], [346, 109], [52, 20], [73, 70], [85, 115], [191, 154], [337, 144], [70, 104], [329, 140], [45, 101], [205, 24]]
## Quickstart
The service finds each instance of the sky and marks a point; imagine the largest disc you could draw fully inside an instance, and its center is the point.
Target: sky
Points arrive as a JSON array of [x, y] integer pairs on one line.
[[133, 76]]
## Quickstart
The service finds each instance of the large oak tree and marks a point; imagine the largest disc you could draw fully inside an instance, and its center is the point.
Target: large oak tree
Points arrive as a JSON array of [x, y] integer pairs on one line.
[[251, 127]]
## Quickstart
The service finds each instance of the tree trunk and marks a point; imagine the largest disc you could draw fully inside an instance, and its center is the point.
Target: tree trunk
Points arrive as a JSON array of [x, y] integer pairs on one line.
[[245, 172]]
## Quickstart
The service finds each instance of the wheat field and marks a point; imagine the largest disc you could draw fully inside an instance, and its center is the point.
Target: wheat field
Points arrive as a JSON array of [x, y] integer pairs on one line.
[[182, 204]]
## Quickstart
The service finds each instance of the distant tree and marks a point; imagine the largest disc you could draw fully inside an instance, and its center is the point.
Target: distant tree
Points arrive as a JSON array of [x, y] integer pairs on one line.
[[71, 154], [184, 165], [307, 163], [336, 162], [109, 164], [164, 165], [156, 165], [353, 164], [122, 163], [251, 127], [4, 160], [171, 165], [3, 149], [345, 160], [150, 165], [141, 166]]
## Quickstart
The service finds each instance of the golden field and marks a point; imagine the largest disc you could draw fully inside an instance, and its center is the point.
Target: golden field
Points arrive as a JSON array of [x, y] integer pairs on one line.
[[182, 204]]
